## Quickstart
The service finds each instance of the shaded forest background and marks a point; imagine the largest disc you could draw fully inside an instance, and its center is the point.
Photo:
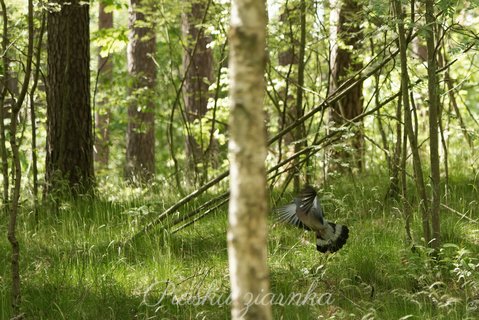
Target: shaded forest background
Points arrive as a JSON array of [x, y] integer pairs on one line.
[[114, 130]]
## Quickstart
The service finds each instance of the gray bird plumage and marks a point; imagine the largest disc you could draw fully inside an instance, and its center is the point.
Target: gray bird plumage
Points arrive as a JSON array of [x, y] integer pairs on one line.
[[305, 212]]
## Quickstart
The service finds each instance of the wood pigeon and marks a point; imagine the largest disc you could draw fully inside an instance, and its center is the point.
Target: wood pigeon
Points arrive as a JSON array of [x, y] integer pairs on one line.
[[305, 212]]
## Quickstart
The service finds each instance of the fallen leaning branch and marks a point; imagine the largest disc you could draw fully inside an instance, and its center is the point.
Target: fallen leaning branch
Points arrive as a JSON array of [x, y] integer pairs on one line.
[[323, 142], [335, 96], [462, 215], [222, 199]]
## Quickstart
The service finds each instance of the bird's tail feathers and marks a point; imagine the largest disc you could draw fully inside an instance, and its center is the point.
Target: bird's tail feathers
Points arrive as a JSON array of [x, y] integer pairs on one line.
[[334, 239]]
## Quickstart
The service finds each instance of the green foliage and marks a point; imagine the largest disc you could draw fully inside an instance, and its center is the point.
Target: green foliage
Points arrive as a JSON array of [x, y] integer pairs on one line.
[[114, 5], [449, 7], [110, 41]]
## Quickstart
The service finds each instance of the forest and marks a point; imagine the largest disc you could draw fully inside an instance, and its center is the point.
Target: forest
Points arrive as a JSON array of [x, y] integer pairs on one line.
[[243, 159]]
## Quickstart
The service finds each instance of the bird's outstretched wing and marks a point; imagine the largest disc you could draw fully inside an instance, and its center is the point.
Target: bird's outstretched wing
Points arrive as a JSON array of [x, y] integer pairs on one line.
[[302, 212], [310, 208], [287, 214], [307, 198]]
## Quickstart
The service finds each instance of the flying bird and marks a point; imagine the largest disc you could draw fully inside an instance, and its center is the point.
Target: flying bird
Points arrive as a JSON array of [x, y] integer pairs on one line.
[[305, 212]]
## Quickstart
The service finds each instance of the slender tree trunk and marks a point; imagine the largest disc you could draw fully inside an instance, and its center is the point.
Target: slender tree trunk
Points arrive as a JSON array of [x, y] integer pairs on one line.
[[3, 111], [17, 171], [290, 110], [346, 36], [69, 120], [198, 66], [405, 203], [247, 231], [392, 153], [140, 137], [288, 58], [14, 206], [408, 123], [102, 114], [300, 132], [396, 158], [33, 116], [433, 102]]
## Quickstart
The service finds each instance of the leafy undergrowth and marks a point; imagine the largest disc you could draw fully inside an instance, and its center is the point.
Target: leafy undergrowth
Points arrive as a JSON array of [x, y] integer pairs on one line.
[[73, 268]]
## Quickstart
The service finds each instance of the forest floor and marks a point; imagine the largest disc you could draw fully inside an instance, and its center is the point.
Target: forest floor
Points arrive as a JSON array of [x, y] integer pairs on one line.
[[72, 267]]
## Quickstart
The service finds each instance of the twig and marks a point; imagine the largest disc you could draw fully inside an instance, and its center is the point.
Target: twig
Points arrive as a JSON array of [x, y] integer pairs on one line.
[[207, 212], [462, 215]]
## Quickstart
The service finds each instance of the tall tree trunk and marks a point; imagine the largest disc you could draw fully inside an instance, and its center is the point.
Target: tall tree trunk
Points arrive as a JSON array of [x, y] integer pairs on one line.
[[408, 122], [69, 120], [346, 36], [3, 110], [102, 114], [288, 58], [14, 208], [292, 56], [198, 66], [396, 158], [140, 137], [247, 231], [433, 102], [33, 115], [300, 130]]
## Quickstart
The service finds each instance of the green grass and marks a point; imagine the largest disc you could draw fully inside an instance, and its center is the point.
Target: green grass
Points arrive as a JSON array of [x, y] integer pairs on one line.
[[72, 267]]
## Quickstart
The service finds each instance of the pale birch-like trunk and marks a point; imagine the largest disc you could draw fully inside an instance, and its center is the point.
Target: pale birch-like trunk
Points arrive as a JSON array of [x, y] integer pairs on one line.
[[247, 248]]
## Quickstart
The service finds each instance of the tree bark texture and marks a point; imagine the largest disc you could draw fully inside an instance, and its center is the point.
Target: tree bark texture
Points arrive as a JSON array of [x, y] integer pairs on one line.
[[33, 113], [69, 124], [433, 102], [396, 158], [300, 130], [102, 114], [247, 247], [346, 36], [198, 66], [289, 58], [14, 208], [140, 137], [4, 83]]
